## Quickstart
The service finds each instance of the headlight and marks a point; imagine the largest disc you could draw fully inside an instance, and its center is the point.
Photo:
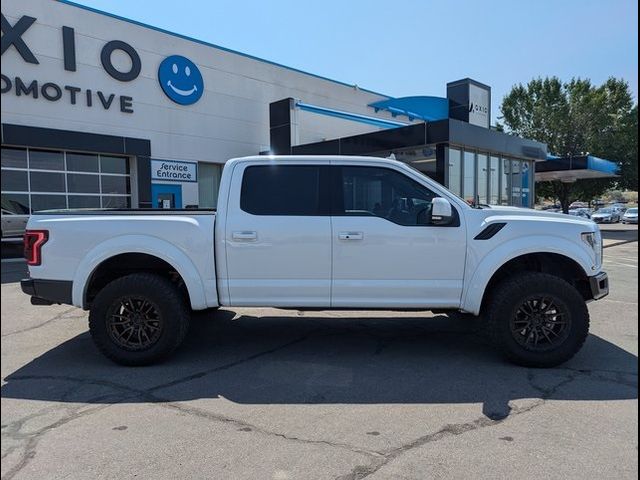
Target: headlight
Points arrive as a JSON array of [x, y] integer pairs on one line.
[[590, 239], [594, 240]]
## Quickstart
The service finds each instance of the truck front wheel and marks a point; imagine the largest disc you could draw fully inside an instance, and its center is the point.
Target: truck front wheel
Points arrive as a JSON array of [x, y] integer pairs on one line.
[[138, 319], [537, 320]]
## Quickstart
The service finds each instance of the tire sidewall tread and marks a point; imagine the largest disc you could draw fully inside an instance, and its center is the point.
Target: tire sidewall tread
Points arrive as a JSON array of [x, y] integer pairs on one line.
[[173, 309], [505, 299]]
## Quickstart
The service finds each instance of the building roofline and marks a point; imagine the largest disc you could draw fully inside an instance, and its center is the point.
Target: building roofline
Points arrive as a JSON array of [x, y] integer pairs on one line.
[[213, 45], [462, 81]]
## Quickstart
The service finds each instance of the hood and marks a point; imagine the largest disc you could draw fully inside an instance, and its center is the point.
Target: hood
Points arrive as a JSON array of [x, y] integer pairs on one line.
[[496, 213], [598, 214]]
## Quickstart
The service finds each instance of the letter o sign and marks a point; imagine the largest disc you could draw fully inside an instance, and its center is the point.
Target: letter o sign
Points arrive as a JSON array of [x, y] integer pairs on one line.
[[105, 58]]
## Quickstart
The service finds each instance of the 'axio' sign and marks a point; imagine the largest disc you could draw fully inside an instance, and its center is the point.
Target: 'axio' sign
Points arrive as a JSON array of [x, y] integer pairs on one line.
[[479, 99], [174, 171], [183, 92]]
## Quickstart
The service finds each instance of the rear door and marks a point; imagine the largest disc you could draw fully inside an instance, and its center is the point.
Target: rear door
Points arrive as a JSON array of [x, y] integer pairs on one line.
[[385, 251], [278, 235]]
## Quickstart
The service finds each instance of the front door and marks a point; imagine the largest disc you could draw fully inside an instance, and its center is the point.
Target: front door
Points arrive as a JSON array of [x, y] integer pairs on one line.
[[278, 235], [166, 195], [385, 252]]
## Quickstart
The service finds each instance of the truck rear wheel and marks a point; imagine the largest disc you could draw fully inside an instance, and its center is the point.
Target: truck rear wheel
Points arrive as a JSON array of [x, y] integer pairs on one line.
[[139, 319], [537, 320]]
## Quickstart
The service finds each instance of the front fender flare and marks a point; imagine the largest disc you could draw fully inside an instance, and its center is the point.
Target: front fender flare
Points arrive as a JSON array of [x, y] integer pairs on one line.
[[475, 288], [139, 244]]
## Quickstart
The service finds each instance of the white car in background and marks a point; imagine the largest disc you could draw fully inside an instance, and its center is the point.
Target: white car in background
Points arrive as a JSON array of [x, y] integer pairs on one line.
[[630, 216], [606, 215], [581, 212]]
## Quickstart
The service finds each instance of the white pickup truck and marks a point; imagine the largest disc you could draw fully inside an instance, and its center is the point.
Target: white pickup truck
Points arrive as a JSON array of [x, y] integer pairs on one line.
[[320, 232]]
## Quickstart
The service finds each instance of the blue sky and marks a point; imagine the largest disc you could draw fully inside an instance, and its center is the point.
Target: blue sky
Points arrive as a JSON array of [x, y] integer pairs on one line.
[[412, 47]]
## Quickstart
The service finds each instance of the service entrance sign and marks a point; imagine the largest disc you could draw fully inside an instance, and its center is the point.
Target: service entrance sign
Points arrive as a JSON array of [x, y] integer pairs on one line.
[[172, 171]]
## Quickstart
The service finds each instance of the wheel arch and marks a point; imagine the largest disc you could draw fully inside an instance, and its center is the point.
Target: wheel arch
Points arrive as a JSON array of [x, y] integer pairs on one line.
[[550, 259], [133, 253]]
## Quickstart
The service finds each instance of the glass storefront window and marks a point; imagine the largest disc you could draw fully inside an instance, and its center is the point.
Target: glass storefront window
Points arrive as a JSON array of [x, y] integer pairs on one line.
[[14, 157], [15, 181], [48, 202], [82, 162], [483, 178], [17, 203], [112, 184], [84, 201], [494, 177], [525, 185], [505, 183], [110, 164], [468, 184], [81, 183], [46, 160], [516, 183], [34, 180], [47, 182], [455, 171], [116, 202]]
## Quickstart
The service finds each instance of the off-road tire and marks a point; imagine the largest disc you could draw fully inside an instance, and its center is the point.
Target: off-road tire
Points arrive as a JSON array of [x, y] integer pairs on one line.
[[508, 296], [173, 314]]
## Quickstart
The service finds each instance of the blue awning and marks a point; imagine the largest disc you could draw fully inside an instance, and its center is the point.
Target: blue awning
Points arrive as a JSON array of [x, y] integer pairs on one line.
[[415, 108]]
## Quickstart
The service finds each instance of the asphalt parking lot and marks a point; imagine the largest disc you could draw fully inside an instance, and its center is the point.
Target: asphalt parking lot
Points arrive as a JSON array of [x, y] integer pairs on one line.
[[271, 394]]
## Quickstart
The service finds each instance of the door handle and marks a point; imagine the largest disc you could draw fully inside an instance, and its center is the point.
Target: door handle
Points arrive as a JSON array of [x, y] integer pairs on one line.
[[245, 236], [351, 235]]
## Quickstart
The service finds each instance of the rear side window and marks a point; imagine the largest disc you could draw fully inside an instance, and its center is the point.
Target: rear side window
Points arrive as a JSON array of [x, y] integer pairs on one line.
[[284, 190]]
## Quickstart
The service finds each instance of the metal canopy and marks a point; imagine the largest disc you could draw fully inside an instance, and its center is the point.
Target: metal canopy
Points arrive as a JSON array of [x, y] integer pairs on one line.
[[570, 169]]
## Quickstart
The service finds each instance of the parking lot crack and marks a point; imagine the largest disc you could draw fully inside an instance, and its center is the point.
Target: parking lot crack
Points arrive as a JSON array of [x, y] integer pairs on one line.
[[360, 471], [248, 427], [31, 439]]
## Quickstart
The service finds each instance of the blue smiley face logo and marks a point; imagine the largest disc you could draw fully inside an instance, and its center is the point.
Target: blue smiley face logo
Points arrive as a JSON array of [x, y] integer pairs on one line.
[[180, 80]]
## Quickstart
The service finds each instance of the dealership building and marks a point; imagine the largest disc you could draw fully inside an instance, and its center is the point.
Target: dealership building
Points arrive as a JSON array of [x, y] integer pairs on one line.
[[102, 111]]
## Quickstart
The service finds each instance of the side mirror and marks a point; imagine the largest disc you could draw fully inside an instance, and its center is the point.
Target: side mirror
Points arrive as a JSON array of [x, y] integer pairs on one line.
[[441, 211]]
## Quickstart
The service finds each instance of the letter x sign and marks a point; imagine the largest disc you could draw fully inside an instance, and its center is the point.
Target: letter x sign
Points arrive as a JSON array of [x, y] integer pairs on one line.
[[12, 35]]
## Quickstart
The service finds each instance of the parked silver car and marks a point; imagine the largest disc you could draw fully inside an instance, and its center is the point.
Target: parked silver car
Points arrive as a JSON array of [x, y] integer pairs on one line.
[[14, 218], [606, 215], [13, 224], [630, 216]]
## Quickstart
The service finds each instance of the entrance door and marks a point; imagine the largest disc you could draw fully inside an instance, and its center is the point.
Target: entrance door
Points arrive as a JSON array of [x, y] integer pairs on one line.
[[166, 195], [385, 251], [278, 236]]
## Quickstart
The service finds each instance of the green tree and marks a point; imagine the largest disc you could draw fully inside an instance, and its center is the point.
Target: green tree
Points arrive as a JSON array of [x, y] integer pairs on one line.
[[575, 118]]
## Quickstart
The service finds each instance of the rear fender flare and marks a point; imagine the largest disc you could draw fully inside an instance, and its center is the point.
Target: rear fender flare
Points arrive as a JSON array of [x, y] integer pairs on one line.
[[139, 244]]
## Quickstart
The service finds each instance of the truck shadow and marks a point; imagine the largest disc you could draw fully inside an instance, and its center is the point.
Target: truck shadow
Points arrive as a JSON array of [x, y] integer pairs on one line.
[[317, 359]]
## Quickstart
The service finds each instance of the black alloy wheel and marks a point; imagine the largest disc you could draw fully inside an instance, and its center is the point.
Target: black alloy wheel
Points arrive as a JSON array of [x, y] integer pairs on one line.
[[139, 319], [540, 323], [134, 323], [536, 319]]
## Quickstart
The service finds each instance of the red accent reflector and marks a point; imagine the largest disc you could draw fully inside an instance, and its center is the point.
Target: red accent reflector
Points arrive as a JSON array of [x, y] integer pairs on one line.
[[33, 241]]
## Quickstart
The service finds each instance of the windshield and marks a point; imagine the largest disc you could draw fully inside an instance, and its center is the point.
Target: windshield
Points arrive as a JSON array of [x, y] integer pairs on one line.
[[632, 210], [604, 210], [455, 195]]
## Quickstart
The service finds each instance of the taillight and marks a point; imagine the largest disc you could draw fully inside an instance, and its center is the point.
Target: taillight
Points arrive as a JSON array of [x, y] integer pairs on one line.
[[33, 241]]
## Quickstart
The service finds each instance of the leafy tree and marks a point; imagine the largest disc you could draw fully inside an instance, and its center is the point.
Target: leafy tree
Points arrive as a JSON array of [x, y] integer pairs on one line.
[[576, 118]]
